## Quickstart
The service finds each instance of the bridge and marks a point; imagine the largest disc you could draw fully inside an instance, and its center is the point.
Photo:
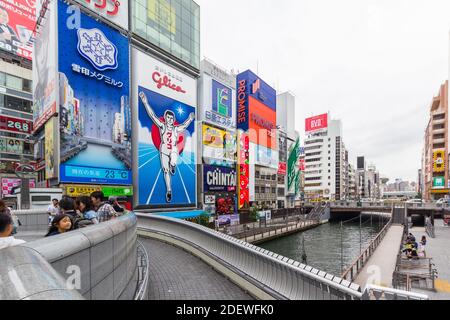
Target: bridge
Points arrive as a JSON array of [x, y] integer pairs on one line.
[[141, 256]]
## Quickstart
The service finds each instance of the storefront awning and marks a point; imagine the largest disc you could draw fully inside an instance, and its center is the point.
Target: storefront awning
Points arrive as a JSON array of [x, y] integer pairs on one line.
[[184, 215]]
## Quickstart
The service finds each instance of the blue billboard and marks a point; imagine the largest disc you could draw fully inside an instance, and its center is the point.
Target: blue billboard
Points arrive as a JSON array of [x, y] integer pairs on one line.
[[95, 114], [167, 166], [219, 179]]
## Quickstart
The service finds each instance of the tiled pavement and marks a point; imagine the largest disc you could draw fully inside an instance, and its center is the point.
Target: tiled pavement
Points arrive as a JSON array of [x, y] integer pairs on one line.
[[177, 275], [439, 250]]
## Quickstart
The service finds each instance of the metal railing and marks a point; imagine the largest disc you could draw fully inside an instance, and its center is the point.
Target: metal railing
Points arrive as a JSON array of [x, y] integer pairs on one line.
[[278, 276], [430, 229], [359, 263], [143, 266]]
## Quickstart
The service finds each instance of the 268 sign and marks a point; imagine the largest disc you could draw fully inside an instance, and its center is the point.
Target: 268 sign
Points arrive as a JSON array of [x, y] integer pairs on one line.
[[15, 125]]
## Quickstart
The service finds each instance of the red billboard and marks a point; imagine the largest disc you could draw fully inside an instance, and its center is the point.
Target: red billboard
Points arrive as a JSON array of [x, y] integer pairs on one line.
[[282, 168], [316, 123], [244, 169], [17, 21], [15, 125], [262, 124]]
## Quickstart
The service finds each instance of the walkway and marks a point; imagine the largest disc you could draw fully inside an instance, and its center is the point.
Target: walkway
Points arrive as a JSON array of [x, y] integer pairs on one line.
[[178, 275], [381, 266], [438, 249]]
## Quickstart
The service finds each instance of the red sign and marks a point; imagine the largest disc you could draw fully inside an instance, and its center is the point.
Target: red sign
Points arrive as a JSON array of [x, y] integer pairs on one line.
[[302, 165], [17, 125], [17, 21], [244, 169], [9, 184], [282, 168], [316, 123], [166, 82], [112, 9]]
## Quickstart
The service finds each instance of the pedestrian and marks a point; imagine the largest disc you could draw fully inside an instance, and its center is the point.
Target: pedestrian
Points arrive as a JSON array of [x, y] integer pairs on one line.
[[53, 210], [62, 223], [4, 209], [85, 208], [105, 211], [6, 231], [117, 207]]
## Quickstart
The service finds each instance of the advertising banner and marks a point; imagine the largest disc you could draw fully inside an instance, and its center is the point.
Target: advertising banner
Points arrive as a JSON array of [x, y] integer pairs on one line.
[[210, 199], [244, 170], [11, 145], [292, 164], [45, 74], [228, 220], [263, 156], [50, 148], [317, 123], [8, 184], [75, 191], [439, 182], [17, 21], [219, 147], [219, 103], [282, 168], [439, 161], [95, 114], [117, 191], [219, 179], [115, 11], [8, 167], [166, 102], [15, 125]]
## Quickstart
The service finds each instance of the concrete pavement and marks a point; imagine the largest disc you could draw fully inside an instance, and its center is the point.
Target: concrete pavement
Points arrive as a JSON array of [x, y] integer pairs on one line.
[[177, 275], [381, 265]]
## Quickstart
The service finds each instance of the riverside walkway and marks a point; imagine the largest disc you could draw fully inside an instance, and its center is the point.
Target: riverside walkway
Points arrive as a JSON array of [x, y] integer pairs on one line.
[[381, 265]]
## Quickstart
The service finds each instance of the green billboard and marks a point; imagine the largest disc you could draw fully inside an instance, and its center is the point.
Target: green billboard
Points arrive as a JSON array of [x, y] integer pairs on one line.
[[292, 164]]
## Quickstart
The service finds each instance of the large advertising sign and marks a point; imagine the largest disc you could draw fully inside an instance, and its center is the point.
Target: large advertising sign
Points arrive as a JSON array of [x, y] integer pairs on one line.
[[17, 21], [95, 115], [292, 165], [9, 184], [15, 125], [263, 156], [256, 109], [166, 102], [439, 183], [115, 11], [317, 123], [219, 147], [244, 170], [219, 179], [439, 161], [282, 168], [219, 103], [11, 145], [44, 63], [50, 148]]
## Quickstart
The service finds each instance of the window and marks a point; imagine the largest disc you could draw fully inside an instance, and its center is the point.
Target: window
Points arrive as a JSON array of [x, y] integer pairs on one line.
[[14, 82], [27, 87], [439, 116], [274, 190], [257, 175], [256, 189]]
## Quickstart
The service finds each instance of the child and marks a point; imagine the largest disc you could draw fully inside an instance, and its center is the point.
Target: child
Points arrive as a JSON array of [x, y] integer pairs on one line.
[[62, 223]]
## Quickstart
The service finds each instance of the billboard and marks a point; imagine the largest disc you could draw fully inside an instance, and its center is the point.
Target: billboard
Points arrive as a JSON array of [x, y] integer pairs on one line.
[[219, 146], [218, 103], [15, 125], [11, 145], [219, 179], [244, 169], [95, 114], [17, 21], [166, 102], [8, 184], [317, 123], [292, 165], [44, 63], [439, 161], [256, 109], [50, 148], [439, 183], [115, 11], [282, 168], [263, 156]]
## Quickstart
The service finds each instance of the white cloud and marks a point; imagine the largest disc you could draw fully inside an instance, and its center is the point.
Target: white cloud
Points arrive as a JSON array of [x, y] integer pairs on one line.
[[145, 135]]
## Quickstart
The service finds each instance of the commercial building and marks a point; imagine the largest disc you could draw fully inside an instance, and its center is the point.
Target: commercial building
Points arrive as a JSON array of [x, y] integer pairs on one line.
[[326, 160], [217, 156], [367, 180], [435, 168], [16, 114]]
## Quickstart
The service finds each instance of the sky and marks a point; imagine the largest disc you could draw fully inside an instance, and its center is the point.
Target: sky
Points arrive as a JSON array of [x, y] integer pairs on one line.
[[374, 64]]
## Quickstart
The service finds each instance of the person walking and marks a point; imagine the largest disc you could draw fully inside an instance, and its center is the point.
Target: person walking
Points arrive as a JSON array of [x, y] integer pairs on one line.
[[105, 211], [53, 210], [6, 230]]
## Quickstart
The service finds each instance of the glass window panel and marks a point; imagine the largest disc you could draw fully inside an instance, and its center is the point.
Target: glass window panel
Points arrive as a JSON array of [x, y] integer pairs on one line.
[[13, 82]]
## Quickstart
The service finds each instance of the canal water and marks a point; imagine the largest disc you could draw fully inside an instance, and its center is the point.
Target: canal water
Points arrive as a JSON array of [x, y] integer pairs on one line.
[[323, 244]]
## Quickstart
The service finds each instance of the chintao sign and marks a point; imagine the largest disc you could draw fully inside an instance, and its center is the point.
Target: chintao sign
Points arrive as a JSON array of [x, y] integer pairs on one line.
[[219, 179]]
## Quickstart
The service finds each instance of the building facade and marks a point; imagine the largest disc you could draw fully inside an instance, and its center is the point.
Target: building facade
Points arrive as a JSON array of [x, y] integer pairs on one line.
[[435, 169]]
